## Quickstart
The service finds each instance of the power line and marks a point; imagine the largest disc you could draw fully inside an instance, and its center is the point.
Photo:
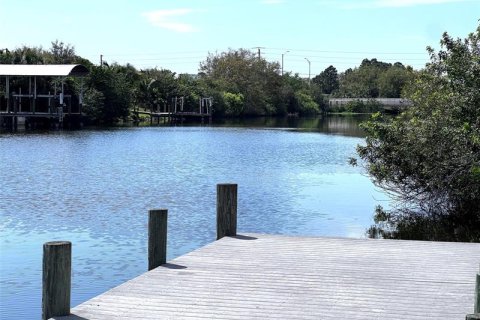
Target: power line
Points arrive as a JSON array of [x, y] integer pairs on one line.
[[157, 59], [259, 51], [348, 52], [342, 58], [192, 59]]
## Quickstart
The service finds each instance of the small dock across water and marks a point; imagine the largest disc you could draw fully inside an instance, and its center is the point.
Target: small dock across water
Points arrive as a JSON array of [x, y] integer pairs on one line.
[[258, 276], [175, 112]]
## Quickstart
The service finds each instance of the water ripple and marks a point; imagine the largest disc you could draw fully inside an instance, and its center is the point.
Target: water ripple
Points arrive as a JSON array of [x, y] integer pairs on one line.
[[94, 188]]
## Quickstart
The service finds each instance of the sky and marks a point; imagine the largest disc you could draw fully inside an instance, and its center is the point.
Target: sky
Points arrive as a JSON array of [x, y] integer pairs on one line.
[[179, 34]]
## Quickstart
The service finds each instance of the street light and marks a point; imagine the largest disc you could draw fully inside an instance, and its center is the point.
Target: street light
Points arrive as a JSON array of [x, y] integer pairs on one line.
[[282, 59], [309, 65]]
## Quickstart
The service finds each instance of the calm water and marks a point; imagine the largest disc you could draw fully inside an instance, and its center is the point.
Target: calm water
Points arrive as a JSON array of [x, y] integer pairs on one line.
[[94, 188]]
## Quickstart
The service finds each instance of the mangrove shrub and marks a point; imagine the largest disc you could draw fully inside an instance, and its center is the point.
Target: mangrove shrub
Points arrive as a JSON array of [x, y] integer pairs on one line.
[[428, 158]]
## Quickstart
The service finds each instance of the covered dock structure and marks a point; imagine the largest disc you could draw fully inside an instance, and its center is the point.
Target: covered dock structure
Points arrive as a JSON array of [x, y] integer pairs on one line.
[[39, 94]]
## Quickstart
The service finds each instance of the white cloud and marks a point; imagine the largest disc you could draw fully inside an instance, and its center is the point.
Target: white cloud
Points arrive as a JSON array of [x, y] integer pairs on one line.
[[273, 1], [410, 3], [166, 19], [395, 3]]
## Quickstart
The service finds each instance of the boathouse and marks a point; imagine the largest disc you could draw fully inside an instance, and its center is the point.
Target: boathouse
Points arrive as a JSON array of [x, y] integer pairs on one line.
[[43, 95]]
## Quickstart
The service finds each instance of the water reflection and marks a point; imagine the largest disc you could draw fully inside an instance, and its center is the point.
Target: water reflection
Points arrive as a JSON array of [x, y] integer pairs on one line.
[[347, 125], [95, 188]]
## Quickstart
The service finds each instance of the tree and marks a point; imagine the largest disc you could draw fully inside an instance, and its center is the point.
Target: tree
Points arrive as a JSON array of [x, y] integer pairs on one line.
[[289, 93], [233, 103], [242, 72], [61, 53], [428, 158], [109, 94], [27, 55], [189, 88], [156, 88], [327, 80], [305, 103], [374, 79], [393, 80]]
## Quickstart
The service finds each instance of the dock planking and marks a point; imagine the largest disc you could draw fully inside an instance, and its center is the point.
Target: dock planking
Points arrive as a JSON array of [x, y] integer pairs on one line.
[[253, 276]]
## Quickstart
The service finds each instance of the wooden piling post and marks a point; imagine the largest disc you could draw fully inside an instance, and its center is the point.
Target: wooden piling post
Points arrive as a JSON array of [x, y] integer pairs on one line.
[[476, 301], [226, 210], [476, 306], [56, 279], [157, 238]]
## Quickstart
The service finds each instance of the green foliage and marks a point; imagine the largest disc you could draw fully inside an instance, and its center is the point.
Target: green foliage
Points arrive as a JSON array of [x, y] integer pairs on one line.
[[305, 103], [240, 83], [428, 158], [327, 80], [234, 103], [374, 79], [61, 53], [242, 72], [393, 80], [112, 86], [293, 96], [156, 89], [93, 103], [319, 97], [192, 90]]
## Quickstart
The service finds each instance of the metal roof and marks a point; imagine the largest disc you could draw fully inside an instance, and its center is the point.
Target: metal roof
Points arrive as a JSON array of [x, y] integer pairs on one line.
[[43, 70]]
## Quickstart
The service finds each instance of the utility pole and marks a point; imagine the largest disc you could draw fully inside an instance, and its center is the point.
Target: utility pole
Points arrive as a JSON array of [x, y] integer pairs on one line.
[[308, 70], [101, 60], [259, 52]]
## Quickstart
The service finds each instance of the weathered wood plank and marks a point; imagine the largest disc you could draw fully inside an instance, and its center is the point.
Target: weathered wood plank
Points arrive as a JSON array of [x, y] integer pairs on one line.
[[275, 277]]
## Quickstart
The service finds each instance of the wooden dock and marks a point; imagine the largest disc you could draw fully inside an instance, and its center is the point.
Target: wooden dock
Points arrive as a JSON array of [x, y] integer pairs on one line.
[[174, 117], [256, 276], [175, 113]]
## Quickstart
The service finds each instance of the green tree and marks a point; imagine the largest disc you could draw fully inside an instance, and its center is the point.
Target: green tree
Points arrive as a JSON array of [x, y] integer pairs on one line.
[[327, 80], [157, 88], [363, 82], [61, 53], [93, 104], [305, 103], [373, 79], [27, 55], [393, 80], [234, 103], [242, 72], [109, 94], [428, 158], [297, 97], [6, 56], [191, 89]]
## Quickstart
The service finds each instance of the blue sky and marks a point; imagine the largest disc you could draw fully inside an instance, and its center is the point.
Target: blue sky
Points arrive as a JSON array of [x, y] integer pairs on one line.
[[178, 34]]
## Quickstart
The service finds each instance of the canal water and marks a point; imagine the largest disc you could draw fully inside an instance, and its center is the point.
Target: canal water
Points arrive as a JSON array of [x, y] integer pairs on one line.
[[95, 187]]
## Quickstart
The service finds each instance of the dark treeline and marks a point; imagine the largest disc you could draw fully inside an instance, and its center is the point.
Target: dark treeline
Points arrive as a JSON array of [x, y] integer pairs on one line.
[[240, 83]]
